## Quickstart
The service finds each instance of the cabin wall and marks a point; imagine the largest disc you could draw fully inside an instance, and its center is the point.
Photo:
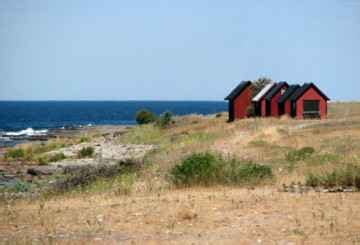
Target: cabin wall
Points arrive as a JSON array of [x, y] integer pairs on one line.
[[274, 103], [242, 103], [311, 94], [287, 106], [263, 107]]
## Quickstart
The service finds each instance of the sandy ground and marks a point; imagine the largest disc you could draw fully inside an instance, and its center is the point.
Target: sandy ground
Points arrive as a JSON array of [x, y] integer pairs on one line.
[[192, 216]]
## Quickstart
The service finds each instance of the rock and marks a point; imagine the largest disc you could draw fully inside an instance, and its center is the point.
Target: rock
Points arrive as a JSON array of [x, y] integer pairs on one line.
[[43, 170]]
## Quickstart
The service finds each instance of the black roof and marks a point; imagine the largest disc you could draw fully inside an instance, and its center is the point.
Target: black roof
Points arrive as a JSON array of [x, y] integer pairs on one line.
[[288, 93], [275, 89], [238, 90], [300, 91]]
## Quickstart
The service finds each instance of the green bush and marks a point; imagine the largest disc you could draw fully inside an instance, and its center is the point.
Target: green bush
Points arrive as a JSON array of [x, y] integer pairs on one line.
[[299, 155], [247, 172], [145, 117], [198, 168], [344, 177], [209, 169], [21, 186], [14, 153], [164, 120], [45, 159], [86, 152], [84, 139]]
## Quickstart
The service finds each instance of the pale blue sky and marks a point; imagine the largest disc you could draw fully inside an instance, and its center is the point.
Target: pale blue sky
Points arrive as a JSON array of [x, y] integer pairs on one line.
[[174, 50]]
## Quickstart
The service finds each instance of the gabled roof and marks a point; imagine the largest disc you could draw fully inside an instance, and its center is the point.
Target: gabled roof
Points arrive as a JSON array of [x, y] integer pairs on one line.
[[299, 92], [275, 89], [238, 90], [288, 93], [263, 92]]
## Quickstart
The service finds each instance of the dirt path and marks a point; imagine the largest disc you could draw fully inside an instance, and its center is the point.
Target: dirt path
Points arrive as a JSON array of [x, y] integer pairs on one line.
[[210, 216]]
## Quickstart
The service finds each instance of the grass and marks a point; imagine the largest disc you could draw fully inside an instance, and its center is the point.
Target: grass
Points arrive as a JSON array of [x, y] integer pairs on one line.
[[348, 176], [86, 152], [14, 153], [299, 155], [210, 169], [98, 178], [120, 184], [32, 153], [45, 159]]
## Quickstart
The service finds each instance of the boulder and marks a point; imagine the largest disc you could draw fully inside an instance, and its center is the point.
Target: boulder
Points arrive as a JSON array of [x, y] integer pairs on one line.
[[44, 170]]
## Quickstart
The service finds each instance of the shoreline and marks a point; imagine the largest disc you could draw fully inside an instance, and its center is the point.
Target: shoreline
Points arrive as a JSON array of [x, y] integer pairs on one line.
[[54, 133]]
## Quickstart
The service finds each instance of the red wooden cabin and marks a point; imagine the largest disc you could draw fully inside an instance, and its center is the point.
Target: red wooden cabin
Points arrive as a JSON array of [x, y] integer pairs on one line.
[[309, 102], [271, 105], [284, 102], [240, 100], [259, 100]]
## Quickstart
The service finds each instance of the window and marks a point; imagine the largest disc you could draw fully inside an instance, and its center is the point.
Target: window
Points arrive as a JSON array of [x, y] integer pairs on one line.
[[311, 109]]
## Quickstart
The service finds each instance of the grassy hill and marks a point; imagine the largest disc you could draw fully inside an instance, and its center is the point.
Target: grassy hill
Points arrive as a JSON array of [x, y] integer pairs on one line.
[[307, 158]]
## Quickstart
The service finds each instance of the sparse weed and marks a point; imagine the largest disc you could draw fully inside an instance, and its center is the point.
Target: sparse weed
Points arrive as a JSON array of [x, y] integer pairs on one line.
[[86, 152], [299, 155]]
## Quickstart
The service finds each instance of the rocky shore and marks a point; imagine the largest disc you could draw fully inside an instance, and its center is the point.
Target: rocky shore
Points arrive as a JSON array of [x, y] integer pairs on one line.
[[106, 152]]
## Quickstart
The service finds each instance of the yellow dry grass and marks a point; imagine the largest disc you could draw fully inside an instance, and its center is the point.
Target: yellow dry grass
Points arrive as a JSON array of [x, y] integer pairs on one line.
[[200, 216]]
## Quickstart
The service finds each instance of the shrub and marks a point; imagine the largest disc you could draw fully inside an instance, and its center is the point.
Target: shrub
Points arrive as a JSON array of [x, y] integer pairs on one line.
[[86, 152], [86, 176], [247, 172], [14, 153], [209, 169], [57, 157], [312, 180], [344, 177], [198, 168], [21, 186], [299, 155], [164, 120], [145, 117], [45, 159], [84, 139]]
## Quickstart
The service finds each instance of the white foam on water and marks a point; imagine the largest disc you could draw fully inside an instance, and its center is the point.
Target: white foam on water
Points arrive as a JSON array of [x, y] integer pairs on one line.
[[27, 132]]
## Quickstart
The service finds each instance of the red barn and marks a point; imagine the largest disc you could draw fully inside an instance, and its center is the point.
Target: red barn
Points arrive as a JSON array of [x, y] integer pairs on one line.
[[309, 102], [259, 100], [239, 101], [272, 99], [284, 102]]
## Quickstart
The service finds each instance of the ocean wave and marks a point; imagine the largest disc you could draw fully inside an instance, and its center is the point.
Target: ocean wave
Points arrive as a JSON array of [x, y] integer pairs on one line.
[[27, 132]]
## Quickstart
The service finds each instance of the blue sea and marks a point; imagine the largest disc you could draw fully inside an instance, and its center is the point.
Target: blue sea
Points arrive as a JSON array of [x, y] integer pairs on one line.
[[32, 117]]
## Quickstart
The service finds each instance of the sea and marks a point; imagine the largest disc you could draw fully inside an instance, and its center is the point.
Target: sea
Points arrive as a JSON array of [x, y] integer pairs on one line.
[[29, 118]]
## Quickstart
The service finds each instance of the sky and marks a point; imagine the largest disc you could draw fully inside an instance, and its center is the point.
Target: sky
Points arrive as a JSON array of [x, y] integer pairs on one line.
[[174, 50]]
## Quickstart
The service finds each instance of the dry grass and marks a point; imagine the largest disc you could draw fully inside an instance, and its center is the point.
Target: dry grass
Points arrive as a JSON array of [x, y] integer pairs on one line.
[[153, 212], [211, 216]]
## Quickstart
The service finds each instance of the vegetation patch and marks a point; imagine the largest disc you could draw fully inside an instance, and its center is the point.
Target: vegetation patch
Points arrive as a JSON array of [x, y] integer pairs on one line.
[[259, 143], [165, 120], [86, 152], [210, 169], [45, 159], [32, 153], [299, 155], [88, 178], [348, 176], [14, 154], [145, 117]]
